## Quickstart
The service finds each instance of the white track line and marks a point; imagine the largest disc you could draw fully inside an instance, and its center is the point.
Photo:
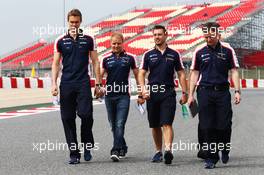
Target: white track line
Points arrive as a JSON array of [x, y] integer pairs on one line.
[[29, 112]]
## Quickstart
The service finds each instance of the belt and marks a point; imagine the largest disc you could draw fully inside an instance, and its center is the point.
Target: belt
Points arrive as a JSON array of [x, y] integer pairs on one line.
[[215, 88]]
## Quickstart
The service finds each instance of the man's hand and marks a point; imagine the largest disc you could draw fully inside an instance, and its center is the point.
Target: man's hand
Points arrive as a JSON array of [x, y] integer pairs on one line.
[[98, 92], [237, 98], [145, 94], [190, 100], [140, 100], [183, 99], [54, 90]]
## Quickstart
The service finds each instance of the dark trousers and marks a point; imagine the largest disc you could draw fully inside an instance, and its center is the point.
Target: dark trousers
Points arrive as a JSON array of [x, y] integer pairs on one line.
[[215, 121], [117, 110], [224, 137], [77, 98]]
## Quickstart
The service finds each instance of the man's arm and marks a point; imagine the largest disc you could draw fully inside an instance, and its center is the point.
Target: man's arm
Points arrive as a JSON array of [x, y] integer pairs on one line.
[[102, 72], [98, 81], [142, 92], [135, 72], [194, 75], [235, 78], [96, 66], [55, 73], [141, 81], [182, 80]]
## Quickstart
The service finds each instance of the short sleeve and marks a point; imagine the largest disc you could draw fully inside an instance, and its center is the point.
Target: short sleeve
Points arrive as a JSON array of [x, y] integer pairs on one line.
[[233, 61], [178, 64], [103, 63], [57, 45], [92, 44], [195, 62], [133, 62], [144, 62]]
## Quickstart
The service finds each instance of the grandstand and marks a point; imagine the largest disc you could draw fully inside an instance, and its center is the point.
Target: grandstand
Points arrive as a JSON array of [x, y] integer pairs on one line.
[[243, 19]]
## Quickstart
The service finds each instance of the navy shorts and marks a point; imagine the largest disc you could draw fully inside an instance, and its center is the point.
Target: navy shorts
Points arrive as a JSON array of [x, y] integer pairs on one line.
[[161, 108]]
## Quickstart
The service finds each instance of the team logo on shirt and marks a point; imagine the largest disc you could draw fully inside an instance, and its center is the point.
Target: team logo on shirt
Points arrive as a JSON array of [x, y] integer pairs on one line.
[[153, 55], [83, 42], [125, 59], [206, 59], [110, 58], [110, 63], [65, 39], [170, 55], [154, 59], [221, 56], [204, 55], [170, 59], [67, 43]]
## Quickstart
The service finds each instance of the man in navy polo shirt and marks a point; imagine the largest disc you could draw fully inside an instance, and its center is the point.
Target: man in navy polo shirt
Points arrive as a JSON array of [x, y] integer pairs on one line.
[[210, 66], [161, 62], [75, 91], [117, 65]]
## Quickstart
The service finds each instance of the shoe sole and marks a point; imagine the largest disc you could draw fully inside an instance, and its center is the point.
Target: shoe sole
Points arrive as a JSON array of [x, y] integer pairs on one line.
[[225, 161], [115, 158], [73, 163], [87, 160], [210, 167], [157, 161], [168, 158]]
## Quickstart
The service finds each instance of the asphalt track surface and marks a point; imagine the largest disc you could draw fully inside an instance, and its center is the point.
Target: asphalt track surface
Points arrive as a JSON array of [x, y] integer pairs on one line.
[[20, 153]]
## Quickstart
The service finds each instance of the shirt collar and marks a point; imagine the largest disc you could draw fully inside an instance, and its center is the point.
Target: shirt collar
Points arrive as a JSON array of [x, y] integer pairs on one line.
[[155, 47], [80, 33], [218, 46], [121, 53]]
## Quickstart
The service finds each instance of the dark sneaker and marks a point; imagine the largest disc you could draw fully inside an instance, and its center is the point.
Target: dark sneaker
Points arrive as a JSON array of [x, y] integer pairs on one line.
[[225, 158], [168, 157], [209, 164], [157, 157], [74, 160], [87, 155], [115, 156], [122, 154]]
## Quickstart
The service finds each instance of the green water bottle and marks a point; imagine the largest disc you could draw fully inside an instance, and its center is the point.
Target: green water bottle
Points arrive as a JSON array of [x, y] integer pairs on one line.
[[185, 113]]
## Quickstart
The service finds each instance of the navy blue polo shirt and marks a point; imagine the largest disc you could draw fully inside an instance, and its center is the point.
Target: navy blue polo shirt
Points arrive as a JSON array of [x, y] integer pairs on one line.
[[75, 57], [161, 67], [214, 64], [118, 69]]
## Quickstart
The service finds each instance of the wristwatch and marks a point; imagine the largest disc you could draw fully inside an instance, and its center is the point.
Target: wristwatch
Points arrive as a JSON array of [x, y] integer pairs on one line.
[[184, 93]]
